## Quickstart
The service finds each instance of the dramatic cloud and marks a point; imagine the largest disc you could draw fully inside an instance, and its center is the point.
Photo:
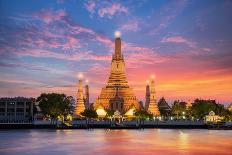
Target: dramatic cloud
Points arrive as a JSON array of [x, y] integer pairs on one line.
[[90, 6], [42, 49], [165, 15], [111, 10], [178, 40], [131, 25]]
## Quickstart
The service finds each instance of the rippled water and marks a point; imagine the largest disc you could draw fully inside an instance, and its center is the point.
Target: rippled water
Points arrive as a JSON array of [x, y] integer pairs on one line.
[[115, 142]]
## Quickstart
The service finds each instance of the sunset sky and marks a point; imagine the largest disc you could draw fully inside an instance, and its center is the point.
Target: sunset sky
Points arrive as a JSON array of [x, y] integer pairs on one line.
[[186, 44]]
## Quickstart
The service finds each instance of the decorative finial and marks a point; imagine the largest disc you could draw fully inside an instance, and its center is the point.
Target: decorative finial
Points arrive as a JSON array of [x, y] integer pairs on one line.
[[117, 34]]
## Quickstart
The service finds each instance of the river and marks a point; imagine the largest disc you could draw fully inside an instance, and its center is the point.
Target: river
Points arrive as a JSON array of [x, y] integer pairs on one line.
[[115, 142]]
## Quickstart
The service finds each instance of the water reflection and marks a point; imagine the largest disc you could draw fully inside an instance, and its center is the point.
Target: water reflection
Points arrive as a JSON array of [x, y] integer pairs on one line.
[[103, 142]]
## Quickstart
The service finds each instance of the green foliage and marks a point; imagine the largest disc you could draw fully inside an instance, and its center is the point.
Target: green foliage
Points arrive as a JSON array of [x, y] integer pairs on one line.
[[89, 113], [178, 108], [201, 108], [143, 114], [54, 105], [109, 113]]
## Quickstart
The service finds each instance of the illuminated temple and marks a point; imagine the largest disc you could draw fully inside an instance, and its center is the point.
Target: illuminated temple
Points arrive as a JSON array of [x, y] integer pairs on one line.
[[117, 95]]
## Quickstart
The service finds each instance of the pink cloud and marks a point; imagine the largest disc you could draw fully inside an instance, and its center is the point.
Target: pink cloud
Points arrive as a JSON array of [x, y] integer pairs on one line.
[[111, 10], [48, 15], [90, 6], [130, 26], [179, 40], [84, 55]]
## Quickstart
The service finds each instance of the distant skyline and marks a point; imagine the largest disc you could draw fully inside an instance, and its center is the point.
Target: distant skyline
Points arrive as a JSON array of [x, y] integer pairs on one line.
[[44, 45]]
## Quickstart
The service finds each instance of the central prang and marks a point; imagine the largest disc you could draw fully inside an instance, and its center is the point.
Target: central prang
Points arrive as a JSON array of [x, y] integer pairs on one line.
[[117, 95]]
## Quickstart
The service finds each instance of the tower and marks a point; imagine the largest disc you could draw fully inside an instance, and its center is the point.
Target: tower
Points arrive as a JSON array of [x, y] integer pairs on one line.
[[147, 96], [117, 95], [87, 95], [80, 105], [152, 107]]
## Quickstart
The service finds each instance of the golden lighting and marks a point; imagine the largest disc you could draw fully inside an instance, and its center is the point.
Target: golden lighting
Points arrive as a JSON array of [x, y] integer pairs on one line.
[[101, 112], [117, 34], [130, 112], [86, 81]]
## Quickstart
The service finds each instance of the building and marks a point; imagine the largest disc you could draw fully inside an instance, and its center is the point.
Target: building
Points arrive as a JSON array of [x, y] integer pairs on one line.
[[164, 108], [117, 95], [16, 109], [152, 103], [212, 117], [80, 104]]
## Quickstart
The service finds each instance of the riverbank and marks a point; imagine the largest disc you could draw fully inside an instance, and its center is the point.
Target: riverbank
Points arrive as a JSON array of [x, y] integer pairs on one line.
[[111, 126]]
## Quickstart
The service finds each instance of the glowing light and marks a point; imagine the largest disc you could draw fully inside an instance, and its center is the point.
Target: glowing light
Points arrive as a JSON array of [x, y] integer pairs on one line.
[[130, 112], [86, 81], [101, 112], [80, 75], [117, 34], [153, 76]]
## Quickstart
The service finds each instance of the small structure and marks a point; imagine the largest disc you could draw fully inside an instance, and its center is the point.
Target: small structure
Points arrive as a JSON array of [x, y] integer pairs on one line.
[[212, 117], [117, 116], [164, 108]]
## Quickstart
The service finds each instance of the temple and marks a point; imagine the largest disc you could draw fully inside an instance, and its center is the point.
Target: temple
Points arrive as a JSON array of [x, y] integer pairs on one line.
[[80, 104], [152, 106], [117, 95]]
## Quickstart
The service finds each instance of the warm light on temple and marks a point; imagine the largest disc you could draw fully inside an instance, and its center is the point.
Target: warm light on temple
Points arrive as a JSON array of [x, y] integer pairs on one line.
[[117, 34]]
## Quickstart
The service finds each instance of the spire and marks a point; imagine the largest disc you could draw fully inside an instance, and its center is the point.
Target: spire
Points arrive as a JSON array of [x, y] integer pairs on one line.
[[147, 95], [153, 107], [117, 51], [87, 95], [80, 106]]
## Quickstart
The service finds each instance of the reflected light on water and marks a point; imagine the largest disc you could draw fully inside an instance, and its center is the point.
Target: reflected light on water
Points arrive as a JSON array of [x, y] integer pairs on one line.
[[115, 142]]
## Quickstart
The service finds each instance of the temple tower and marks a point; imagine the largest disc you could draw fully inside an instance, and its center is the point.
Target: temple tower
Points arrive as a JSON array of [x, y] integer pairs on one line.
[[147, 96], [80, 105], [153, 107], [87, 95], [117, 95]]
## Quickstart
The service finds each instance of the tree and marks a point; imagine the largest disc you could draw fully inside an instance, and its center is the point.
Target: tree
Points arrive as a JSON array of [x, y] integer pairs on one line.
[[201, 108], [109, 112], [178, 108], [54, 105], [143, 114], [89, 113]]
